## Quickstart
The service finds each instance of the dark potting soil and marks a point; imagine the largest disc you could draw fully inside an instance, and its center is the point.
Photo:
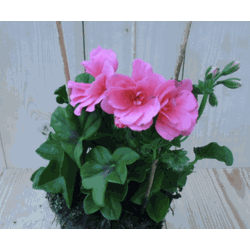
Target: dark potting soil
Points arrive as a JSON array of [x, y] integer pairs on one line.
[[75, 218]]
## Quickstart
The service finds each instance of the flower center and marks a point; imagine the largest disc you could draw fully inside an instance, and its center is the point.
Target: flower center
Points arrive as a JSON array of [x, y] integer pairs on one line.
[[138, 98]]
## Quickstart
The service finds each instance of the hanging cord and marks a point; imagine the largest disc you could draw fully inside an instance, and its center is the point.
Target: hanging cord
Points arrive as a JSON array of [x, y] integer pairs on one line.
[[176, 75], [64, 55]]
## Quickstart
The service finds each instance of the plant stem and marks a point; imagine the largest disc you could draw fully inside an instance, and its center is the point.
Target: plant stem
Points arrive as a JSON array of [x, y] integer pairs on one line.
[[202, 107]]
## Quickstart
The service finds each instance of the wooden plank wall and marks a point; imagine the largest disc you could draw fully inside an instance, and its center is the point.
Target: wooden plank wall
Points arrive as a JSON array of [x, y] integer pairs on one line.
[[31, 70]]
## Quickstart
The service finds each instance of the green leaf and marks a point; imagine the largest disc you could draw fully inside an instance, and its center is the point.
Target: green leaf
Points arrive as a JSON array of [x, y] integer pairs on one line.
[[214, 151], [207, 71], [36, 174], [175, 159], [64, 123], [62, 95], [100, 154], [45, 178], [131, 139], [84, 78], [84, 190], [89, 205], [118, 176], [125, 155], [118, 191], [213, 100], [58, 179], [60, 100], [98, 184], [139, 195], [102, 167], [51, 150], [68, 171], [158, 207], [92, 125], [112, 209], [137, 171]]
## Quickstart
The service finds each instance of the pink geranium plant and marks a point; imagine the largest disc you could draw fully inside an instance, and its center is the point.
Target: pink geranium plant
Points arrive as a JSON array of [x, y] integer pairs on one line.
[[130, 124]]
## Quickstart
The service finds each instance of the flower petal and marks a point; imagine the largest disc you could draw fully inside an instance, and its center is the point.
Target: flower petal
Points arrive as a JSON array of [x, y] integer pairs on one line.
[[140, 69], [165, 130]]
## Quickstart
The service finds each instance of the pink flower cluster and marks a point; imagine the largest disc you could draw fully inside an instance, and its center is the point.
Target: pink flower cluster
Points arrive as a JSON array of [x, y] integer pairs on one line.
[[135, 101]]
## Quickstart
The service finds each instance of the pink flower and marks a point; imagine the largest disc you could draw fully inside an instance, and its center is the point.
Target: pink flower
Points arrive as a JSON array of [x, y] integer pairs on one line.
[[179, 109], [131, 99], [98, 59], [102, 64]]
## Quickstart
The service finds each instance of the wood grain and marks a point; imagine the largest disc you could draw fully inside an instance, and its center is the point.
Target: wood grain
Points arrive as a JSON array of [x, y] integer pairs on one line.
[[22, 207], [211, 199], [32, 69]]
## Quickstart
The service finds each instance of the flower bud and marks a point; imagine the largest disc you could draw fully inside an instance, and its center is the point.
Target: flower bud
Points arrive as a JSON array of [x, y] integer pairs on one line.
[[213, 100], [231, 68], [214, 71], [231, 83]]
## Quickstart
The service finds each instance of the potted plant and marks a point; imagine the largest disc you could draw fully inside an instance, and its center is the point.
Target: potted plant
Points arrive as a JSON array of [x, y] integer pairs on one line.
[[110, 158]]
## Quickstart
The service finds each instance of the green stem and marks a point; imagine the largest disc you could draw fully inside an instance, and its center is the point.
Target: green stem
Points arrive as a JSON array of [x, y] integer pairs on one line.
[[193, 162], [202, 107]]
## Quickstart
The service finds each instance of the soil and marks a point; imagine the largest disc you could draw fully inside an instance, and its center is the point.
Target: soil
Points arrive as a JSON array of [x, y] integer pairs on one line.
[[75, 218]]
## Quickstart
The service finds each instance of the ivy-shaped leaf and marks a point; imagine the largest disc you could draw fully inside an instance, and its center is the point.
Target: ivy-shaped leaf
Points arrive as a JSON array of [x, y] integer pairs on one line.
[[51, 150], [175, 159], [214, 151], [112, 209], [102, 168], [158, 207], [89, 205], [62, 96]]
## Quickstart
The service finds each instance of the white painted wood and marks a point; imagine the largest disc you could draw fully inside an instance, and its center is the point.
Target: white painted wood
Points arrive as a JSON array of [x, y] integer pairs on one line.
[[217, 44], [23, 207], [32, 70], [211, 199], [116, 36], [2, 160], [158, 43]]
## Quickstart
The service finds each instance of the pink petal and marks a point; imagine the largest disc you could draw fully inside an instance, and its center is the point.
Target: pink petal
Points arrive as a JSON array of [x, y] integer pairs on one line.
[[165, 130], [150, 110], [186, 100], [108, 69], [120, 99], [89, 68], [165, 90], [106, 107], [140, 69], [131, 117], [142, 127], [119, 80]]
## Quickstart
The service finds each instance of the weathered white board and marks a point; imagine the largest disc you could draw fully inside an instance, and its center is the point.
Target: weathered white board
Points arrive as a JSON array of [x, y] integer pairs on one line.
[[32, 69], [211, 199]]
